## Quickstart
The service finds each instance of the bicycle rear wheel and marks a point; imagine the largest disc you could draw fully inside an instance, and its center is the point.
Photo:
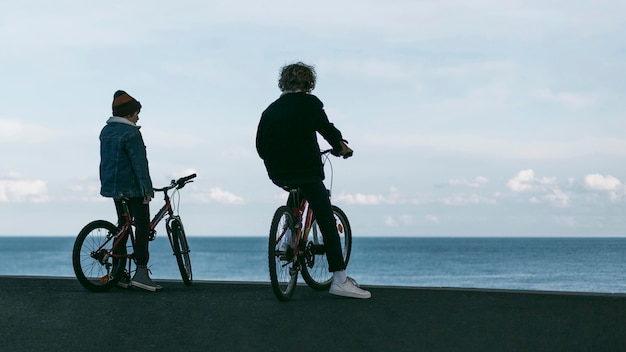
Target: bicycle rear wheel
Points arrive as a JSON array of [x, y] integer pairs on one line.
[[181, 250], [315, 273], [94, 266], [283, 264]]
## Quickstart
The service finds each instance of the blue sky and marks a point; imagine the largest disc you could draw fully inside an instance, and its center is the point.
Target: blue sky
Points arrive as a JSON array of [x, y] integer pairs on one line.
[[484, 118]]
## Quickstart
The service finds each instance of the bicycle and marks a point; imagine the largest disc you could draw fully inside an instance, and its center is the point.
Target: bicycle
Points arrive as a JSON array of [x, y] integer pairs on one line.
[[296, 245], [100, 257]]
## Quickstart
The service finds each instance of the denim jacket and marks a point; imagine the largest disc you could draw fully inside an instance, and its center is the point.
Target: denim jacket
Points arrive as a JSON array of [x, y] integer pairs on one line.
[[123, 161]]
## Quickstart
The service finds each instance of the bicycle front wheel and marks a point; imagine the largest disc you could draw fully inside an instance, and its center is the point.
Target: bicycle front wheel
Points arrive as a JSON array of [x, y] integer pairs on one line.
[[92, 257], [315, 273], [283, 264], [181, 250]]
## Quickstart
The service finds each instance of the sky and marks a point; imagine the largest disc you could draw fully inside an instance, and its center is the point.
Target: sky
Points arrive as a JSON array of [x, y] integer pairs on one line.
[[481, 118]]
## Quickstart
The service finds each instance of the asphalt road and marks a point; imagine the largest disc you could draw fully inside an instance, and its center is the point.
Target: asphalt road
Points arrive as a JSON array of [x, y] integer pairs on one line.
[[57, 314]]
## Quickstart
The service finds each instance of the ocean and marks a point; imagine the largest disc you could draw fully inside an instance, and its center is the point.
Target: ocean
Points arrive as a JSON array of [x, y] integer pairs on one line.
[[543, 264]]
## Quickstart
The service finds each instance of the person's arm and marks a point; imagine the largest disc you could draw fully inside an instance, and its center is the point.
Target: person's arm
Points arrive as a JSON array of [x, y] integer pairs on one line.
[[330, 132], [139, 161]]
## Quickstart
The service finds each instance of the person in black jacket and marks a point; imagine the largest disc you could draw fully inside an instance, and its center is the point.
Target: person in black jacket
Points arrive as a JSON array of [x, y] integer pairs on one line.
[[286, 140]]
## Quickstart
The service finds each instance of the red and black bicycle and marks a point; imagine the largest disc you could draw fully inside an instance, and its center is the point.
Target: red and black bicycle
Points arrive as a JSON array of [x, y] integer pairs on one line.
[[101, 258], [296, 245]]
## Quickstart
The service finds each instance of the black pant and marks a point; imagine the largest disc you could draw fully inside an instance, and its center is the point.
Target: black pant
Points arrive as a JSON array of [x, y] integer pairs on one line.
[[140, 213], [317, 196]]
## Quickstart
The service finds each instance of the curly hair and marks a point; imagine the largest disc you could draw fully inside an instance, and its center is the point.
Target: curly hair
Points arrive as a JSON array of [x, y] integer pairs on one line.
[[297, 77]]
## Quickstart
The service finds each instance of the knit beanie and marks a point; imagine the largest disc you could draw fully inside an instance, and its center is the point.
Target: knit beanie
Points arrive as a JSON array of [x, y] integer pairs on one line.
[[124, 104]]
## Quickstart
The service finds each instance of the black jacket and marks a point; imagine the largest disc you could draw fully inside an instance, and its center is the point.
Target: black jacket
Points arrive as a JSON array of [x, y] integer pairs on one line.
[[286, 138]]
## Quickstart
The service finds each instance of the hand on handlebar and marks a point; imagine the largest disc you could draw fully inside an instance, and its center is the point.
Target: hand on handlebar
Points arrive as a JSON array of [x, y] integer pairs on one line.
[[345, 152]]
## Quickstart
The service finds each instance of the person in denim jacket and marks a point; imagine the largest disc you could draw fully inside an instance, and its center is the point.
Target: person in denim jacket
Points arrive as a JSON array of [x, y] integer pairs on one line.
[[124, 173]]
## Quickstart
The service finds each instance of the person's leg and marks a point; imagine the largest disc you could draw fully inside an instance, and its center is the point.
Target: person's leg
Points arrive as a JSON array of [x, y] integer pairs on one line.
[[141, 218], [121, 219], [120, 249], [317, 196], [342, 285]]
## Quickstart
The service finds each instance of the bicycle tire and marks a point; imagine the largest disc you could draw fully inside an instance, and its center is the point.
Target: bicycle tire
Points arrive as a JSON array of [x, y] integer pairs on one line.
[[180, 246], [283, 267], [91, 257], [315, 271]]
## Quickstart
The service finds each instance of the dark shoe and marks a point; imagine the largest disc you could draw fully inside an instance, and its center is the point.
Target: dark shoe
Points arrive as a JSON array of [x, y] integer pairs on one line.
[[142, 280], [124, 281]]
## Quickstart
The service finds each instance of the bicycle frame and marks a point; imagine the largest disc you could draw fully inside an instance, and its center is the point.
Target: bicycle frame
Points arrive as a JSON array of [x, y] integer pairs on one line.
[[303, 214], [126, 228], [304, 220], [297, 209]]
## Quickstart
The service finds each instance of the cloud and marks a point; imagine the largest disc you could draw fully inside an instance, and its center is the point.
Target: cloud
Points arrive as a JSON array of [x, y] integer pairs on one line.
[[608, 183], [12, 130], [218, 195], [526, 180], [558, 198], [597, 182], [85, 191], [15, 189], [467, 199], [477, 182], [359, 198], [394, 221], [393, 197], [543, 189]]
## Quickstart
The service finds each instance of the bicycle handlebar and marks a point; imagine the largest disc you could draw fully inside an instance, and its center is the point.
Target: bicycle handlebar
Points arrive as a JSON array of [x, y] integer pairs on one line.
[[178, 184], [331, 151], [181, 182]]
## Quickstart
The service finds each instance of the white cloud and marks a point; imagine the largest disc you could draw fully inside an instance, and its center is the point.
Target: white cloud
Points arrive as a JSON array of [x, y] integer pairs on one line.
[[18, 190], [394, 221], [615, 188], [217, 195], [526, 180], [12, 130], [558, 198], [467, 199], [393, 197], [597, 182], [85, 191], [477, 182], [359, 198]]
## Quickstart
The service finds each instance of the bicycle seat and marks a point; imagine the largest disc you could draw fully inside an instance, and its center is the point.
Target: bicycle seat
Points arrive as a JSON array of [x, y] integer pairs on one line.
[[295, 196]]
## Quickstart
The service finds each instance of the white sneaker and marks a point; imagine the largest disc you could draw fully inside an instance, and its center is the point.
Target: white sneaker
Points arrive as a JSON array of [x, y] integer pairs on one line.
[[348, 289]]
